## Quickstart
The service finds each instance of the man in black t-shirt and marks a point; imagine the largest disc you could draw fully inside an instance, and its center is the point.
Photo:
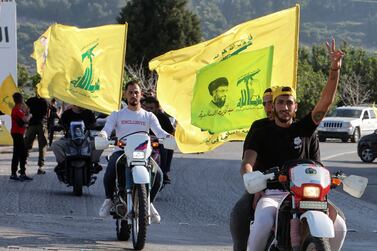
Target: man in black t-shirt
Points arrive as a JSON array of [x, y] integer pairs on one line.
[[151, 104], [37, 128], [243, 213], [286, 140], [267, 105], [60, 147]]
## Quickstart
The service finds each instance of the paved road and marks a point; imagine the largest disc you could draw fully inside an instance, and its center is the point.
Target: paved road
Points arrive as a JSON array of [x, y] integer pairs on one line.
[[44, 215]]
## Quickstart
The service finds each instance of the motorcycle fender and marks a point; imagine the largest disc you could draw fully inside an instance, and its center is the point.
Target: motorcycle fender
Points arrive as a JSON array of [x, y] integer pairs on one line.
[[77, 163], [320, 224], [140, 175]]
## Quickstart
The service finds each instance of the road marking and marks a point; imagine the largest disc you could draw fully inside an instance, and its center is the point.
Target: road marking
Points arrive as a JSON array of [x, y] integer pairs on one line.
[[337, 155]]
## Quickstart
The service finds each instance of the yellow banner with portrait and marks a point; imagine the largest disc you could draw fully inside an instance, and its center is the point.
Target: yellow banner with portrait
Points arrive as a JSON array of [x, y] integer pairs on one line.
[[215, 88]]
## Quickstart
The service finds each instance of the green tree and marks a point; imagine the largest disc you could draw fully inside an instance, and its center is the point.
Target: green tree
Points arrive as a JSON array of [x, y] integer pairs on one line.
[[23, 76], [156, 27], [310, 84], [212, 20]]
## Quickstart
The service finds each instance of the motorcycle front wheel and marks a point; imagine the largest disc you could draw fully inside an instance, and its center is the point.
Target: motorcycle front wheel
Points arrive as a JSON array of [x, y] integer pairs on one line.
[[140, 216], [316, 244]]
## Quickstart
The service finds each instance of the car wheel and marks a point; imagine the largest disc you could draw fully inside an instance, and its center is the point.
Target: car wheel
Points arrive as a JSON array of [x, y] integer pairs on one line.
[[344, 140], [366, 154], [356, 135]]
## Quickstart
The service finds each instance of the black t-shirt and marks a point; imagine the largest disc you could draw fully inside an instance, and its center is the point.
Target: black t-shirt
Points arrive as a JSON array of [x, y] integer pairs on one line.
[[276, 145], [38, 108], [86, 116], [255, 125], [165, 122], [53, 114]]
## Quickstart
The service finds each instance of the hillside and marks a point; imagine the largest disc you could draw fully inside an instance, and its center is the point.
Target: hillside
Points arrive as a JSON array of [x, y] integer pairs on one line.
[[352, 21]]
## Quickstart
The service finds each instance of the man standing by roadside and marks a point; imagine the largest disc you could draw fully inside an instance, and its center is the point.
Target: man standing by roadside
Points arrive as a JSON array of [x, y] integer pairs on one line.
[[20, 118], [38, 109]]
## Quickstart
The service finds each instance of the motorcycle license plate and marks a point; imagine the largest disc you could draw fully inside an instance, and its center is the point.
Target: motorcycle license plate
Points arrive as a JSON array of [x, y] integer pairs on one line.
[[318, 205]]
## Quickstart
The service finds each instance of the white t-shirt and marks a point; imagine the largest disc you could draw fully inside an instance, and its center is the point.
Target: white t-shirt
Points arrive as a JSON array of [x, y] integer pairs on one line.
[[127, 121]]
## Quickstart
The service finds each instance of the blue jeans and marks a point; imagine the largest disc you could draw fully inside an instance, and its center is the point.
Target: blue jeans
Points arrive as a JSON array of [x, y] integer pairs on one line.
[[110, 176]]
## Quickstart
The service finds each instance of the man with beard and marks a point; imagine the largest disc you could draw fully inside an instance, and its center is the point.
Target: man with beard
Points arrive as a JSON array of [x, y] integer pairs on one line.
[[243, 212], [126, 121], [218, 89], [291, 141]]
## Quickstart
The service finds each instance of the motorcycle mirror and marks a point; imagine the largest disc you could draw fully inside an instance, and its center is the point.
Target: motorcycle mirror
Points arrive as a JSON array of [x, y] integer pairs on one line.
[[100, 143], [355, 185], [170, 143]]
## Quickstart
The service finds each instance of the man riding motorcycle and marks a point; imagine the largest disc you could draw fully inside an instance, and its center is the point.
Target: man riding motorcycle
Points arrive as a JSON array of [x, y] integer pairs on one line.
[[128, 120], [291, 141], [243, 212], [59, 147]]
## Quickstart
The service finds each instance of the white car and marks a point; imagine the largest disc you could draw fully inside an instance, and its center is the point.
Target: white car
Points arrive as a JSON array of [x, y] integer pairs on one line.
[[348, 122]]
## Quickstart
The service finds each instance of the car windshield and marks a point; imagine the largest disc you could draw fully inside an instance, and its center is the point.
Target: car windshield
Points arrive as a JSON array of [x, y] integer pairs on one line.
[[347, 113]]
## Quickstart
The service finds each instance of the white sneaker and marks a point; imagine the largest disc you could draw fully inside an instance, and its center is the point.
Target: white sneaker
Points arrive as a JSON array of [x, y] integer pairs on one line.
[[155, 216], [105, 208]]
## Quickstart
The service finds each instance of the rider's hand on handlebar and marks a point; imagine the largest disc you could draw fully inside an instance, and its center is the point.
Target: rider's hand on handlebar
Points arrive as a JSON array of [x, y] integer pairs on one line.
[[103, 134]]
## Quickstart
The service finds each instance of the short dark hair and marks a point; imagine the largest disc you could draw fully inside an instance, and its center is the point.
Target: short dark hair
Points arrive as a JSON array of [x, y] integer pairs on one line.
[[17, 98], [132, 82], [222, 81], [151, 100], [268, 90]]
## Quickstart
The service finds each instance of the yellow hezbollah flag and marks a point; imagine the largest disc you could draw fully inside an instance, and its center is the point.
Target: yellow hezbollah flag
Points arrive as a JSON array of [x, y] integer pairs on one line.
[[5, 137], [84, 67], [41, 50], [215, 89], [7, 89]]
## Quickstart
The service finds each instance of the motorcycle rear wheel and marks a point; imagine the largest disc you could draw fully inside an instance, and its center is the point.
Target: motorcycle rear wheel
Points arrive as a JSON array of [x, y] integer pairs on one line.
[[77, 182], [315, 243], [140, 216]]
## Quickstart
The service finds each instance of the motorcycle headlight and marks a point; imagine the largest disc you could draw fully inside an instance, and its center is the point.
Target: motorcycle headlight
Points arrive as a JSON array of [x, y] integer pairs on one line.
[[138, 155], [311, 192]]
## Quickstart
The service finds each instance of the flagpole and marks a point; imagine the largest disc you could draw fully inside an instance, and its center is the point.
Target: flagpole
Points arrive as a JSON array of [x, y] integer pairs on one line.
[[124, 62]]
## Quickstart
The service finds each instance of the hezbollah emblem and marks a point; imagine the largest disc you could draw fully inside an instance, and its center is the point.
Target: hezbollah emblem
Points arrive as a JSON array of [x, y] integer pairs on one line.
[[86, 82]]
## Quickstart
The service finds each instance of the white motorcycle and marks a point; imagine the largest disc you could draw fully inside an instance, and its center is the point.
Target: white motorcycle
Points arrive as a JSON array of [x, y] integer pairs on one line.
[[302, 218], [132, 208]]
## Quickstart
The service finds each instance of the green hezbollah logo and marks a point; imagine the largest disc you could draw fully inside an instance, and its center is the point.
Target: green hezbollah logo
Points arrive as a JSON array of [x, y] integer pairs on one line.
[[228, 94], [85, 82], [6, 100]]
